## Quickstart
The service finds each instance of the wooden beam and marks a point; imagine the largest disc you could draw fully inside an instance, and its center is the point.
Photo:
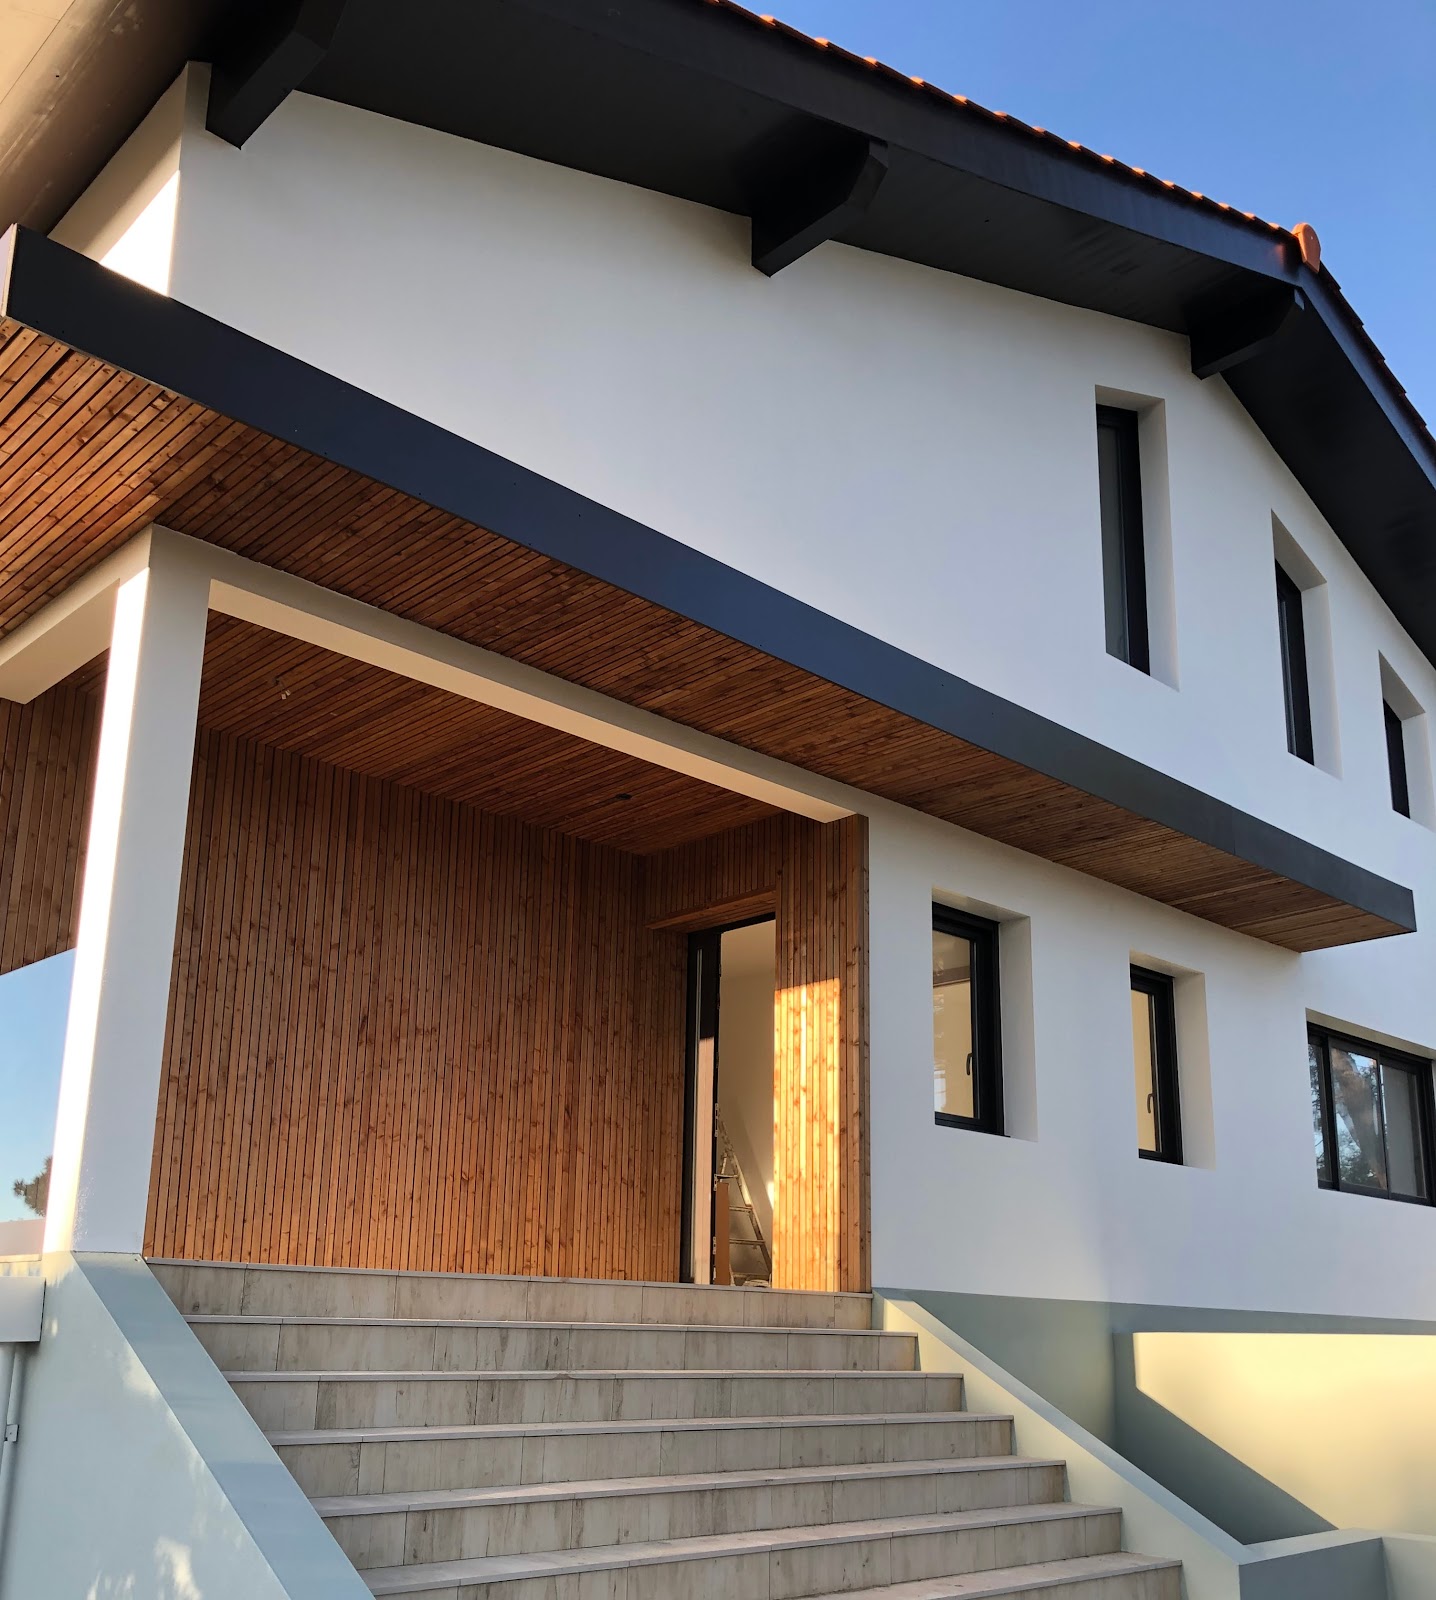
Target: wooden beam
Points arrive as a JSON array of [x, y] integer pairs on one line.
[[1223, 339], [267, 65], [820, 202]]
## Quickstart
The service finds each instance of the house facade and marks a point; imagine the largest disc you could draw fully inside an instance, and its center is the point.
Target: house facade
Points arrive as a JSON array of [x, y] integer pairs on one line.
[[638, 651]]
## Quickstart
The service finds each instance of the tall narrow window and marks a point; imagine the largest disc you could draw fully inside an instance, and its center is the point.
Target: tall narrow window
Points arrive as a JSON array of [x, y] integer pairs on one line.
[[1124, 556], [1396, 760], [1295, 686], [1154, 1051], [966, 1045], [1372, 1117]]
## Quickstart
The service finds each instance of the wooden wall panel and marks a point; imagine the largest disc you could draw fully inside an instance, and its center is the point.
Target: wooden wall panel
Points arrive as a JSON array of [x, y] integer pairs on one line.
[[409, 1034], [47, 755], [814, 879]]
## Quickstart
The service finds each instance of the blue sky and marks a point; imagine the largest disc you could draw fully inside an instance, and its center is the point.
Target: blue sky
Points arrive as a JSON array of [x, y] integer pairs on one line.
[[1322, 113], [32, 1036]]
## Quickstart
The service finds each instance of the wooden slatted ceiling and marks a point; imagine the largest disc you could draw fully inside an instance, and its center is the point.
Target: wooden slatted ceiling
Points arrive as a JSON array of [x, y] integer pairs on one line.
[[91, 455], [295, 696]]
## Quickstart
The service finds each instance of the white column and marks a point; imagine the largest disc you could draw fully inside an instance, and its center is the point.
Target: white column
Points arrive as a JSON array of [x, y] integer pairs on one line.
[[114, 1039]]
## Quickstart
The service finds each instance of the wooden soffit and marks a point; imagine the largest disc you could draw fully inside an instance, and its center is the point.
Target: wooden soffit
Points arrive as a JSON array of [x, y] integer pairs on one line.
[[120, 407]]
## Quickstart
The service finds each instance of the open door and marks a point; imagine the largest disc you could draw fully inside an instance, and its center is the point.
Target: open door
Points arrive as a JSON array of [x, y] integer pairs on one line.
[[728, 1146], [701, 1099]]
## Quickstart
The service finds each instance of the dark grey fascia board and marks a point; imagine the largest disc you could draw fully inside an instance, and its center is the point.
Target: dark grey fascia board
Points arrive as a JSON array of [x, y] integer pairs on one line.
[[63, 294]]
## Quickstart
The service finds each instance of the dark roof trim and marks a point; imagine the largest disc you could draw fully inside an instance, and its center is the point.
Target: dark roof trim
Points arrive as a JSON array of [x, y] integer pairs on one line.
[[72, 299], [782, 65], [1360, 350]]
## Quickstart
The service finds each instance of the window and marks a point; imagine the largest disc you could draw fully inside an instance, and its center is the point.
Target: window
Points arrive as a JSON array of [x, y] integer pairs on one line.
[[1396, 759], [1154, 1049], [1124, 556], [1292, 629], [966, 1049], [1371, 1118]]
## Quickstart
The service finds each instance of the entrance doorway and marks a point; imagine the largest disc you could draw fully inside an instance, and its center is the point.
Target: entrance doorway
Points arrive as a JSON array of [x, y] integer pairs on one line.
[[728, 1139]]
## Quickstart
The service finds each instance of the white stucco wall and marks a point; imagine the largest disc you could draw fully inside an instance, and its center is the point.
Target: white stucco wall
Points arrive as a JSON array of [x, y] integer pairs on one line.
[[914, 452], [1073, 1211], [620, 342]]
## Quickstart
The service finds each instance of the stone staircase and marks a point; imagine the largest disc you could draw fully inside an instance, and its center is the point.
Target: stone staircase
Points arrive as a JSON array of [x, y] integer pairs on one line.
[[470, 1438]]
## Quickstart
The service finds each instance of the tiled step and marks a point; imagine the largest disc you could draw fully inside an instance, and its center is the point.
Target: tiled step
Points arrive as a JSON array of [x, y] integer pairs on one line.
[[392, 1460], [290, 1400], [227, 1289], [390, 1344], [1112, 1577], [778, 1564], [450, 1525]]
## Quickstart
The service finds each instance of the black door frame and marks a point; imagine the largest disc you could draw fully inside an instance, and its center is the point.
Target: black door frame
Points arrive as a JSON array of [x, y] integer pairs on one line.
[[704, 977]]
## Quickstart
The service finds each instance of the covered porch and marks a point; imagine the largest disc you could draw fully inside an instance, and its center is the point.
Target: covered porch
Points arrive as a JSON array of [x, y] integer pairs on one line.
[[428, 998]]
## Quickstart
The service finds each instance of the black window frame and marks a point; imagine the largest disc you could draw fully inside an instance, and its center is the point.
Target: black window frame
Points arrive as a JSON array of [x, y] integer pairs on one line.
[[982, 936], [1166, 1078], [1295, 674], [1421, 1067], [1396, 769], [1125, 568]]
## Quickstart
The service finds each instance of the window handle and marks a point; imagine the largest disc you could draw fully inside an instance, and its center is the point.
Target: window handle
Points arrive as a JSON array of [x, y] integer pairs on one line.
[[1151, 1101], [969, 1063]]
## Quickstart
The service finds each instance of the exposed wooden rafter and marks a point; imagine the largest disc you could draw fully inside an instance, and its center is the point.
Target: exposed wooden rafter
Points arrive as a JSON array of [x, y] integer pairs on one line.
[[1224, 338], [816, 203], [269, 66]]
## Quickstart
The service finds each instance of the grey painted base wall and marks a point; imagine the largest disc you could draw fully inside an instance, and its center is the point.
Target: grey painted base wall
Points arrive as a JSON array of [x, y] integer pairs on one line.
[[1079, 1355]]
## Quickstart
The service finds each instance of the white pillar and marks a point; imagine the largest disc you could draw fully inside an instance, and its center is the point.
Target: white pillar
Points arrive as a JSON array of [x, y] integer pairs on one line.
[[114, 1038]]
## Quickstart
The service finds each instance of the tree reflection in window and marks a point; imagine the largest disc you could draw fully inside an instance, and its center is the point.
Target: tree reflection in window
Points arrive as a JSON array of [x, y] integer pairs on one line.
[[1356, 1099], [1372, 1117]]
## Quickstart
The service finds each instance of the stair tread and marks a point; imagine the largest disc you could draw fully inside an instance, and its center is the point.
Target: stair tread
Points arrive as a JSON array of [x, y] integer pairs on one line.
[[671, 1483], [270, 1318], [480, 1430], [411, 1273], [590, 1374], [1011, 1580], [596, 1558]]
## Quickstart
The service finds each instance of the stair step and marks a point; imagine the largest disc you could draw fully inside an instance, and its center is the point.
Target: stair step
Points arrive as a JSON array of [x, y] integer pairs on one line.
[[390, 1344], [374, 1460], [790, 1562], [290, 1400], [235, 1288], [1111, 1577], [455, 1524]]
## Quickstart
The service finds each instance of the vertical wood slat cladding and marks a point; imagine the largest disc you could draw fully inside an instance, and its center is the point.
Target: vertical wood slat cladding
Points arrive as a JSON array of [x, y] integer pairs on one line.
[[409, 1034], [47, 755], [814, 880]]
